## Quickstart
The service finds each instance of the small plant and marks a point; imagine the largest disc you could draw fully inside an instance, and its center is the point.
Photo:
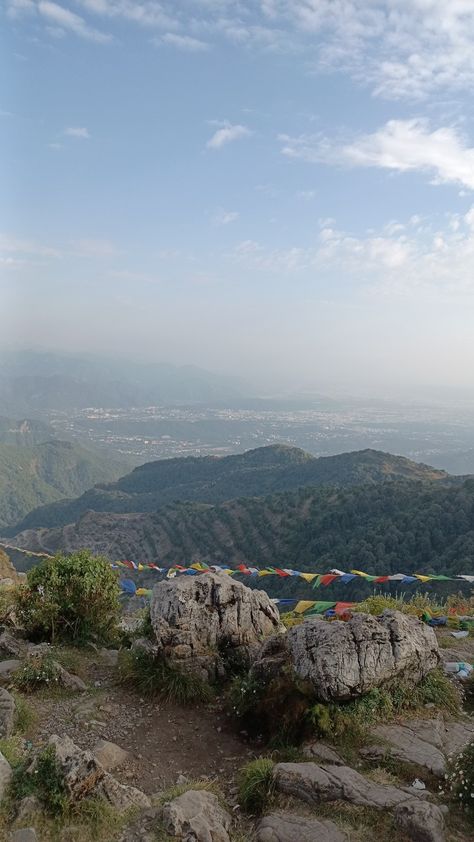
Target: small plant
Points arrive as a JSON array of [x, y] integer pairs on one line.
[[44, 779], [291, 619], [37, 672], [72, 598], [459, 780], [256, 785], [25, 716], [153, 676], [244, 694]]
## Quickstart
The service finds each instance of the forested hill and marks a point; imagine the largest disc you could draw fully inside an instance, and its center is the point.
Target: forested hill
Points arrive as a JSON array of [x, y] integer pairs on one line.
[[34, 474], [379, 528], [265, 470]]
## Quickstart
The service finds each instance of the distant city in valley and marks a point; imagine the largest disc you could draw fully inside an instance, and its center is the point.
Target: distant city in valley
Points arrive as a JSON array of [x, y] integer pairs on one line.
[[440, 436]]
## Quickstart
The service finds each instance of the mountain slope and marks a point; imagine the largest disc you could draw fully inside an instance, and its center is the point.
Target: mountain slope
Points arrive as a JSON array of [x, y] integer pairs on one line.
[[33, 475], [379, 528], [24, 432], [265, 470]]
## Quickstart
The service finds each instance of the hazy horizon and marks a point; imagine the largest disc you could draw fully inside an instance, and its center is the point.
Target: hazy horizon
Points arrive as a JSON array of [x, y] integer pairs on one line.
[[278, 190]]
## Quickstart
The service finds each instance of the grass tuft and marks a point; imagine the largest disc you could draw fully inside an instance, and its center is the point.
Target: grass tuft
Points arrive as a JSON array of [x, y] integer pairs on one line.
[[256, 785], [153, 677]]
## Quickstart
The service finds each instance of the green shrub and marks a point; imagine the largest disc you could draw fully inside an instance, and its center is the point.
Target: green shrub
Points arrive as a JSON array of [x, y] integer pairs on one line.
[[37, 672], [153, 676], [460, 780], [44, 779], [71, 598], [256, 785], [25, 716]]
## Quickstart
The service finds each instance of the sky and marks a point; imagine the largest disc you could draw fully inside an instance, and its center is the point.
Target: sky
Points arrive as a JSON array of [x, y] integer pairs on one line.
[[279, 189]]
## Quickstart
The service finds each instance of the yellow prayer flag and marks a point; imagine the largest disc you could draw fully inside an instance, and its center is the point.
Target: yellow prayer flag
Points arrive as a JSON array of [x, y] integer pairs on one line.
[[304, 605]]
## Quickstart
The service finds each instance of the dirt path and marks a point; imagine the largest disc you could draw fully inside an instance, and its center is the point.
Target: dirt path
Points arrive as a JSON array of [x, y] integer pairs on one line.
[[164, 739]]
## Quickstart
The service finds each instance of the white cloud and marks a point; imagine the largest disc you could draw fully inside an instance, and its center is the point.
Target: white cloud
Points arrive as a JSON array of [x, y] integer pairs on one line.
[[147, 13], [95, 248], [400, 145], [411, 260], [65, 19], [306, 195], [227, 134], [182, 42], [18, 246], [77, 131], [225, 217]]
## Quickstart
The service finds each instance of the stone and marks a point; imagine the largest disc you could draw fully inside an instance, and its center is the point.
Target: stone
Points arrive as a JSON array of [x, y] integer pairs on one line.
[[288, 827], [109, 657], [85, 777], [343, 660], [119, 795], [423, 742], [7, 668], [323, 753], [312, 783], [10, 646], [68, 680], [110, 755], [24, 834], [7, 713], [82, 773], [196, 815], [420, 820], [199, 620], [5, 775], [28, 808]]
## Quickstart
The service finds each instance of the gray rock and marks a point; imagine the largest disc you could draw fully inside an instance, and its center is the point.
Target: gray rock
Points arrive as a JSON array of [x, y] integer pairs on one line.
[[5, 775], [7, 668], [288, 827], [28, 808], [196, 618], [68, 680], [10, 646], [420, 820], [424, 742], [120, 796], [321, 752], [312, 783], [343, 660], [109, 656], [7, 713], [110, 755], [84, 776], [197, 815], [25, 834]]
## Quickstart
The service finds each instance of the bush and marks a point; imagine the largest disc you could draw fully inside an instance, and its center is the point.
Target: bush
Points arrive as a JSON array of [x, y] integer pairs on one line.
[[153, 676], [71, 598], [37, 672], [44, 779], [256, 785], [460, 780]]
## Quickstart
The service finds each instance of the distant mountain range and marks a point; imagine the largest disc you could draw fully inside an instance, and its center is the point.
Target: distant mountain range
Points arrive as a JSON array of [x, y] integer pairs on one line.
[[36, 468], [32, 382], [210, 479]]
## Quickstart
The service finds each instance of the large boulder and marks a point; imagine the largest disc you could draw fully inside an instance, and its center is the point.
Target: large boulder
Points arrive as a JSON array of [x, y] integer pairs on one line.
[[343, 660], [202, 621], [420, 820], [289, 827], [7, 713], [5, 775]]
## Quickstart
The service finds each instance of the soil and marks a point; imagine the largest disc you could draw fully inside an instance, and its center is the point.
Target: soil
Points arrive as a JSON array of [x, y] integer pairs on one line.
[[164, 740]]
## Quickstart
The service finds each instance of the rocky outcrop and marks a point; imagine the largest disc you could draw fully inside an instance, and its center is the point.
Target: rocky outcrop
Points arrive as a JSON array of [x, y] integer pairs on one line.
[[343, 660], [423, 742], [85, 777], [420, 820], [201, 621], [312, 783], [288, 827], [196, 815]]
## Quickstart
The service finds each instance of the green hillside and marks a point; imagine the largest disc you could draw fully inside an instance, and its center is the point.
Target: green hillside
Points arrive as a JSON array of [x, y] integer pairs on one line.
[[31, 476], [265, 470], [384, 528]]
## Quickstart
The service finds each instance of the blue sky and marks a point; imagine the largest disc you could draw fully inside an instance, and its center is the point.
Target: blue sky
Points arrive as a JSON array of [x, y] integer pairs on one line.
[[276, 188]]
